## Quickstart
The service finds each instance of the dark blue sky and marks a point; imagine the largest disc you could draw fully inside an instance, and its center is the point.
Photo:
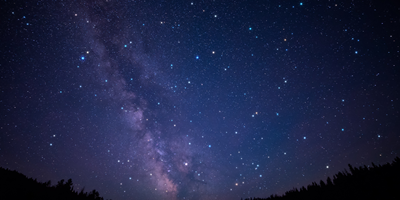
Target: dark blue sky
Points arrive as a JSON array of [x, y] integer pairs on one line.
[[197, 99]]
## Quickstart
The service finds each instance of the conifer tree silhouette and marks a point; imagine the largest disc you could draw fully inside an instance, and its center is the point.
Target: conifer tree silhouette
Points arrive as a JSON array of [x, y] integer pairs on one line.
[[14, 185], [364, 182]]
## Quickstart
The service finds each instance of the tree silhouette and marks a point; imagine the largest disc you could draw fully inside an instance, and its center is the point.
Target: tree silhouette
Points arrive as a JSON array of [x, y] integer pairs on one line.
[[14, 185], [364, 182]]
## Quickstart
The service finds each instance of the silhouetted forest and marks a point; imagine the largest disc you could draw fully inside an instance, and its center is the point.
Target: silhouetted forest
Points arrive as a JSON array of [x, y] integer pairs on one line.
[[14, 185], [372, 182]]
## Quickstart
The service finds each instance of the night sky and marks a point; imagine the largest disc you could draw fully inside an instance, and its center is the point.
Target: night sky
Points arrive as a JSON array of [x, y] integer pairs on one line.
[[202, 99]]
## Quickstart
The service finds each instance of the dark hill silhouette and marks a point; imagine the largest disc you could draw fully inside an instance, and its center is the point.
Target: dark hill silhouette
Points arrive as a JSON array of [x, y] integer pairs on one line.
[[14, 185], [374, 182]]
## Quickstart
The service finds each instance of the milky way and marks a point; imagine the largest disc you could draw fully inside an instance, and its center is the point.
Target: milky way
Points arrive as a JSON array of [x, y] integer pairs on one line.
[[197, 99], [158, 154], [152, 152]]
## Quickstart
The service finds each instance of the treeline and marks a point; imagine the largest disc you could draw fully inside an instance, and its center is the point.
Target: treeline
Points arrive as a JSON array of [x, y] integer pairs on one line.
[[14, 185], [365, 182]]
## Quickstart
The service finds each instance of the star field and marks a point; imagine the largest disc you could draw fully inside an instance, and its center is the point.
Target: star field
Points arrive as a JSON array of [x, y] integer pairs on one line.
[[197, 99]]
